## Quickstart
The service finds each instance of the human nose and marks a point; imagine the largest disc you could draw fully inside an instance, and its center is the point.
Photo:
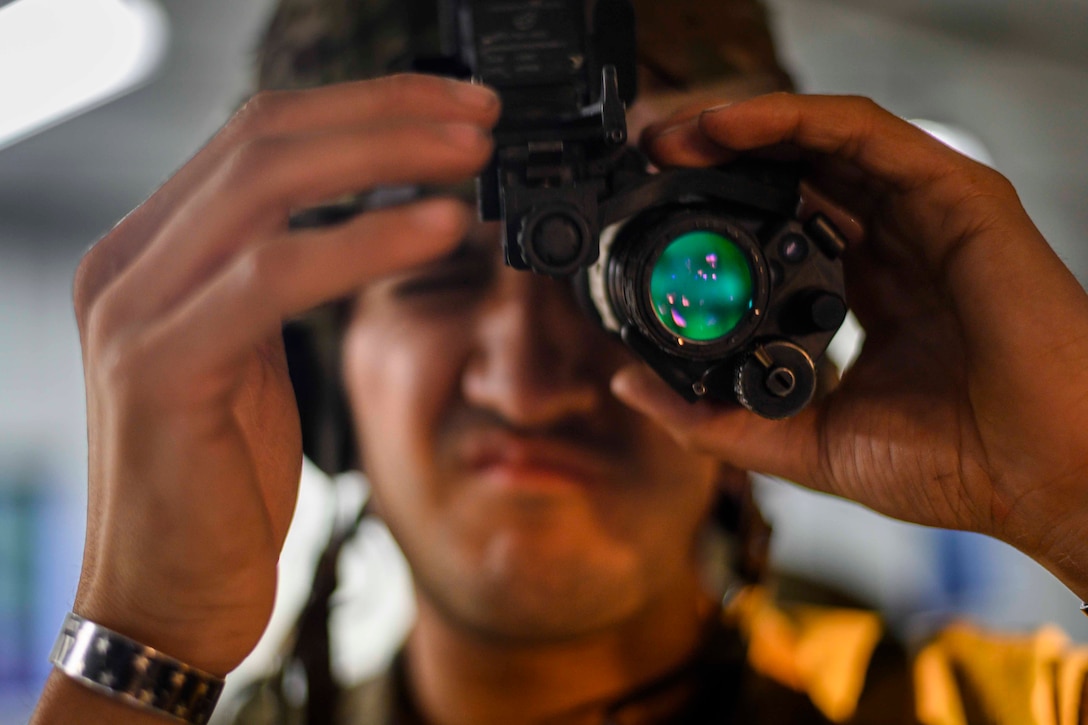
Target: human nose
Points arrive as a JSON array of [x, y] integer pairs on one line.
[[533, 361]]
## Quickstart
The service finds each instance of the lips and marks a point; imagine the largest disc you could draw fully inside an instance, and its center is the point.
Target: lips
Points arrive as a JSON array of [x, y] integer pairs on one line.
[[521, 460]]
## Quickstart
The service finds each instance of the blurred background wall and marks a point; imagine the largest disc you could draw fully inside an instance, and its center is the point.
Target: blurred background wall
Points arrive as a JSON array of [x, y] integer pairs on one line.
[[1013, 75]]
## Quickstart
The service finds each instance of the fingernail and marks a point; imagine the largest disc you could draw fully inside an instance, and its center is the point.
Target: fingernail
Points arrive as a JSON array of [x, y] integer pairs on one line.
[[684, 126], [475, 95], [434, 213], [719, 107], [465, 134]]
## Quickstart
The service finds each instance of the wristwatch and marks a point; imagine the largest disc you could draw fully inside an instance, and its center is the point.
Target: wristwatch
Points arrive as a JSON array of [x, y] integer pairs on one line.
[[136, 674]]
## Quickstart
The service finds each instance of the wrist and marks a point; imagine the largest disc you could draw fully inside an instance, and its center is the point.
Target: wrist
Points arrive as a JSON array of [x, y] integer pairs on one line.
[[199, 638], [132, 673]]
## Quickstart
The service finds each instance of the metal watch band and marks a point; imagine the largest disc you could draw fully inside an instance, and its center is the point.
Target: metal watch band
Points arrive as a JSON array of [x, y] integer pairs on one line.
[[124, 669]]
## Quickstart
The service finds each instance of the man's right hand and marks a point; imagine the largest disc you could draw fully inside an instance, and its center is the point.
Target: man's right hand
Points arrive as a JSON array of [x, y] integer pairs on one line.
[[194, 436]]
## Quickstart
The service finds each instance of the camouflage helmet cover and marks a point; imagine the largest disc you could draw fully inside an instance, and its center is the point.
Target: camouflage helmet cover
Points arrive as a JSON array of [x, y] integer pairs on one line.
[[683, 42]]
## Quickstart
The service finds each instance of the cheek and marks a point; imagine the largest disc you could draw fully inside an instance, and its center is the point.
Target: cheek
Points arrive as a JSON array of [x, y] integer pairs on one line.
[[399, 376], [668, 496]]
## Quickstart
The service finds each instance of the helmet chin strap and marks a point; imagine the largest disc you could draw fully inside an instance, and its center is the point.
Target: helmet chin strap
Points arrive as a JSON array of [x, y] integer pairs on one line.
[[736, 512], [311, 648]]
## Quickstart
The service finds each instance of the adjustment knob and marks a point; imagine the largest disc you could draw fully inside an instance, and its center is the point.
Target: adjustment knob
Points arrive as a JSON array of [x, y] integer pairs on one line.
[[556, 240], [825, 311], [776, 380]]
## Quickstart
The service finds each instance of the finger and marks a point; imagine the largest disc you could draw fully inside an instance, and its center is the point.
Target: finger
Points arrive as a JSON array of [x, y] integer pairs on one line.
[[111, 255], [250, 298], [277, 113], [391, 98], [731, 433], [856, 152], [683, 144], [849, 128], [667, 125], [255, 191]]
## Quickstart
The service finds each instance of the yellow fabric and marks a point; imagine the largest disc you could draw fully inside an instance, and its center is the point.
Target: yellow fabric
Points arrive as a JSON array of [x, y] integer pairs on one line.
[[1071, 677], [1010, 680], [937, 699], [965, 676], [822, 652]]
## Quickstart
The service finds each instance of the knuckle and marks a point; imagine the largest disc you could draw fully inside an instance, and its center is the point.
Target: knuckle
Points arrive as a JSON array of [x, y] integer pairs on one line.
[[411, 86], [115, 353], [252, 162], [683, 436], [96, 269], [100, 316], [84, 284], [115, 364], [781, 97], [96, 325], [986, 185], [467, 145], [249, 269], [853, 137], [263, 267], [104, 328], [996, 181], [262, 114], [864, 104], [114, 367]]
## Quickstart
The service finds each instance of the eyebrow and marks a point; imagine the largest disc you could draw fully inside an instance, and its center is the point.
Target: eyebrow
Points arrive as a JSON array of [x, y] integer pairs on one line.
[[475, 246], [470, 249], [338, 211], [327, 215]]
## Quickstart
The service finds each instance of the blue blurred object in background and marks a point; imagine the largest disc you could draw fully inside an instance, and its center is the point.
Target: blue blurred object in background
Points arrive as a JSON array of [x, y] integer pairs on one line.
[[41, 539]]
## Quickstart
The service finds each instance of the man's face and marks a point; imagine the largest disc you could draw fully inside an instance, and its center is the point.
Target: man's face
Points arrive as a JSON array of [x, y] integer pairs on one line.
[[528, 500]]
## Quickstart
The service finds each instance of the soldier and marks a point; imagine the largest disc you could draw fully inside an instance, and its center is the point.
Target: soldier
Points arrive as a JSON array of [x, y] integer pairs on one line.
[[547, 490]]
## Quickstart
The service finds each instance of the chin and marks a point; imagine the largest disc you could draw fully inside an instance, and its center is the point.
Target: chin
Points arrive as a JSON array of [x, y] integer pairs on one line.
[[541, 585], [532, 609]]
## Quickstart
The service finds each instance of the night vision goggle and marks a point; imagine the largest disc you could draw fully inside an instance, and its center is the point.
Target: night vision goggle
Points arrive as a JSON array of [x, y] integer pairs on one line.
[[708, 275]]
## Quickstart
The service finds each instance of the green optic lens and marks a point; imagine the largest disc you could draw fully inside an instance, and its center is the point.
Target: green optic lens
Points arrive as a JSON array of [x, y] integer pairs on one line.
[[701, 286]]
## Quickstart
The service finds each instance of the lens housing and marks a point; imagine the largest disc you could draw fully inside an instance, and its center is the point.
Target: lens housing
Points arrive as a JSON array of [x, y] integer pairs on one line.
[[666, 254]]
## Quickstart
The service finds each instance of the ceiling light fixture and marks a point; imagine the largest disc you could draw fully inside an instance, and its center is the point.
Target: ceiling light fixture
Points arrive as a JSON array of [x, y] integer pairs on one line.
[[61, 58]]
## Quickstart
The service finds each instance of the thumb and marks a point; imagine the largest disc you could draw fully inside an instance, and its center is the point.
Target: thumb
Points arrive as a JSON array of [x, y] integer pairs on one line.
[[786, 448]]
